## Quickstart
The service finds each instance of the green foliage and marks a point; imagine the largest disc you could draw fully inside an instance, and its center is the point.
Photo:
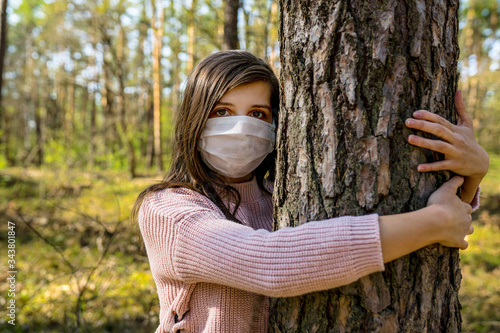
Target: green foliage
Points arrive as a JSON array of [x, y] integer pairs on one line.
[[78, 214]]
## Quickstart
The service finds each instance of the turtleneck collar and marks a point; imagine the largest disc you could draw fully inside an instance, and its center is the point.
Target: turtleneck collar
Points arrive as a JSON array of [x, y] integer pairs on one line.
[[249, 190]]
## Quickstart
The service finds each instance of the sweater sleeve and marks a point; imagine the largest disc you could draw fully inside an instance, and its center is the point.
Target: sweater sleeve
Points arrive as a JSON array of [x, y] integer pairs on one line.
[[192, 242]]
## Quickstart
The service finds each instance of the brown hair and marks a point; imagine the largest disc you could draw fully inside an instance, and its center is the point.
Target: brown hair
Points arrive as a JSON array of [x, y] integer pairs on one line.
[[210, 80]]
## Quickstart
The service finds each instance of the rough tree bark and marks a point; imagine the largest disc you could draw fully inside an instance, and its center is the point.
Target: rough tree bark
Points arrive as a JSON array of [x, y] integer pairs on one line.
[[352, 72]]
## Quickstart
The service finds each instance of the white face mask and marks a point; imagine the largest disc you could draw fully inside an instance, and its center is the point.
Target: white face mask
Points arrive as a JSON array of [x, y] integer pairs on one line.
[[234, 146]]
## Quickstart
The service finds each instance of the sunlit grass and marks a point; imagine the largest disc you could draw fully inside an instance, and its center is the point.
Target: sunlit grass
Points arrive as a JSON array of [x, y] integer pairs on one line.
[[78, 213]]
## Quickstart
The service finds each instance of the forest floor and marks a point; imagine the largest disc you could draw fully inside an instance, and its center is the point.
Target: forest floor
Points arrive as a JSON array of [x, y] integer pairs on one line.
[[81, 263]]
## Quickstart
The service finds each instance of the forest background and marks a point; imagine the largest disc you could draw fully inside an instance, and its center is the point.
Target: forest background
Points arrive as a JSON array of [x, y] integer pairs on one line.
[[89, 92]]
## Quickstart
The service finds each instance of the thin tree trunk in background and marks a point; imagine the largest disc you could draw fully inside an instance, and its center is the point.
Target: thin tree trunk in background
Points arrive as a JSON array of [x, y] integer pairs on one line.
[[468, 32], [191, 46], [51, 103], [61, 84], [493, 138], [274, 37], [32, 96], [39, 123], [220, 30], [93, 107], [45, 104], [72, 102], [29, 113], [175, 84], [150, 143], [157, 20], [472, 82], [123, 124], [175, 81], [348, 86], [248, 33], [144, 87], [35, 102], [7, 139], [231, 24], [120, 74], [107, 104], [266, 29], [83, 108], [93, 130], [3, 51]]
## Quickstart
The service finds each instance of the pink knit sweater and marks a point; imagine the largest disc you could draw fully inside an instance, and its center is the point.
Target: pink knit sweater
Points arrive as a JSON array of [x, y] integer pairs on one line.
[[214, 275]]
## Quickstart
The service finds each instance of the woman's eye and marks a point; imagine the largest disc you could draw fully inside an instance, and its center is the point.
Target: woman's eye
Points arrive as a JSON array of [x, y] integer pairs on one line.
[[258, 114], [221, 113]]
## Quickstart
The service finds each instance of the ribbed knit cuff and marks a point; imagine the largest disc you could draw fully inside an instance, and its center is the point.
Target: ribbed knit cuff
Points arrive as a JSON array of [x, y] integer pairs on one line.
[[366, 245]]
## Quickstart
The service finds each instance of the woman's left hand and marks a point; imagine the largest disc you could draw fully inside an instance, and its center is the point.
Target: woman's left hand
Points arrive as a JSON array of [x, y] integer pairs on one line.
[[462, 154]]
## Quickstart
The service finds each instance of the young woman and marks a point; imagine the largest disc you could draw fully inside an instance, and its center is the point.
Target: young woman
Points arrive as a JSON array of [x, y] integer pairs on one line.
[[207, 226]]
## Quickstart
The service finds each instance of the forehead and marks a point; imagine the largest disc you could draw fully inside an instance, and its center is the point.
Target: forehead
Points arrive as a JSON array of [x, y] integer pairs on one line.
[[258, 90]]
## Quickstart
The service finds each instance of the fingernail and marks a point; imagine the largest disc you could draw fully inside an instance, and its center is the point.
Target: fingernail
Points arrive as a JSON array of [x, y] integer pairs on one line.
[[410, 122], [417, 114], [420, 168]]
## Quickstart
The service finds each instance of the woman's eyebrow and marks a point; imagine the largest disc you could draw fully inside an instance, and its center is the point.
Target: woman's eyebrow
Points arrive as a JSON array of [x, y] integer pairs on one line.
[[264, 106], [224, 103]]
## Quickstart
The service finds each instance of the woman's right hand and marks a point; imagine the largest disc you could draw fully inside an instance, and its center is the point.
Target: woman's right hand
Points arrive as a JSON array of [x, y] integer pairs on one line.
[[446, 220], [455, 222]]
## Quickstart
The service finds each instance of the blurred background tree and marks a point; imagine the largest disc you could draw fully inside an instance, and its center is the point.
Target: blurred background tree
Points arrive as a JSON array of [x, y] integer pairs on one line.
[[480, 65], [89, 90], [94, 84]]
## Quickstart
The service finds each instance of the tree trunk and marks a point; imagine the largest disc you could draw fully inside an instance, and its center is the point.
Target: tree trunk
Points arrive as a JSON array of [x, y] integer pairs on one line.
[[274, 37], [352, 72], [248, 30], [7, 137], [150, 150], [93, 129], [145, 88], [471, 49], [71, 86], [231, 25], [124, 124], [268, 25], [108, 105], [38, 122], [93, 107], [191, 30], [157, 24]]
